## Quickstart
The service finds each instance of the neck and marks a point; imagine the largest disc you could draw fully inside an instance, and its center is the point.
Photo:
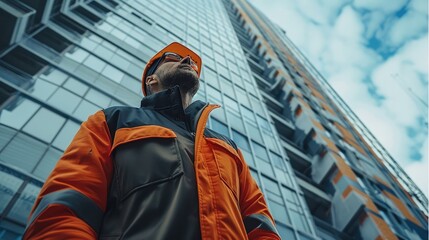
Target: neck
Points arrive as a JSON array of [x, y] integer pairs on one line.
[[186, 99]]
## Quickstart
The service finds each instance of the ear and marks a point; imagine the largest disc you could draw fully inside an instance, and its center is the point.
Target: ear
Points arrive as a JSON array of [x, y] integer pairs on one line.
[[152, 83]]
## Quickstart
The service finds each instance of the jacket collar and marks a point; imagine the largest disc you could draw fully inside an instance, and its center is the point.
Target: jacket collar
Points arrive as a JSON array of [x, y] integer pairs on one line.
[[169, 103]]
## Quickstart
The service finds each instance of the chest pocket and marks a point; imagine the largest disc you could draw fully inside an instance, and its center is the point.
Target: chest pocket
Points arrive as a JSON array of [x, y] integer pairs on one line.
[[144, 156], [228, 163]]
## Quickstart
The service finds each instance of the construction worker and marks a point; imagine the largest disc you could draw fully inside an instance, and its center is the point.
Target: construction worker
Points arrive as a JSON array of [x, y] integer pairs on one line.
[[153, 172]]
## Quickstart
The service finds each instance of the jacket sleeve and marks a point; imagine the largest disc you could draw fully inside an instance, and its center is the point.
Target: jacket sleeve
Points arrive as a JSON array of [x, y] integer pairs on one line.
[[256, 217], [72, 201]]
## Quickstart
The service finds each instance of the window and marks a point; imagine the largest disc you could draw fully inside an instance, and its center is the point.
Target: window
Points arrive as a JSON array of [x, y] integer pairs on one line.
[[253, 132], [279, 211], [76, 86], [270, 140], [9, 184], [23, 152], [47, 163], [64, 100], [22, 207], [285, 232], [98, 98], [103, 52], [278, 161], [235, 121], [295, 209], [42, 89], [227, 87], [39, 128], [219, 127], [208, 62], [241, 97], [260, 151], [88, 44], [132, 84], [18, 112], [211, 77], [255, 177], [66, 134], [271, 186], [119, 34], [262, 122], [84, 110], [231, 104], [206, 49], [223, 71], [299, 220], [256, 105], [54, 76], [244, 146], [232, 66], [218, 113], [6, 135], [120, 61], [77, 54], [235, 78], [133, 70], [94, 63], [220, 59], [248, 114]]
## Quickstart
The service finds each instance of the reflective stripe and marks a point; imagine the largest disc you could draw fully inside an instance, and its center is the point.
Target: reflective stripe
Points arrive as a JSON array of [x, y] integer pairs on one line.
[[81, 205], [259, 221]]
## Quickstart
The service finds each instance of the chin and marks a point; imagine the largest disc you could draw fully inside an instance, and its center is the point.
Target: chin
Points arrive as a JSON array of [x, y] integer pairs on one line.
[[187, 80]]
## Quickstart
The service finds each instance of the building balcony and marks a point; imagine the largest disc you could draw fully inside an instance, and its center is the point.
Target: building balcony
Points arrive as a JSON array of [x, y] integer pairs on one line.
[[347, 206], [322, 167], [14, 17]]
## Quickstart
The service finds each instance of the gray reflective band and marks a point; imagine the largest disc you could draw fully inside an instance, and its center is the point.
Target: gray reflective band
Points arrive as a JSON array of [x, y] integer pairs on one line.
[[259, 221], [81, 205]]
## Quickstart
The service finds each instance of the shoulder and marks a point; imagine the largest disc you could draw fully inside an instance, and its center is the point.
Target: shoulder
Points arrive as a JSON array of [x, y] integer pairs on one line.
[[213, 134], [116, 110], [126, 117]]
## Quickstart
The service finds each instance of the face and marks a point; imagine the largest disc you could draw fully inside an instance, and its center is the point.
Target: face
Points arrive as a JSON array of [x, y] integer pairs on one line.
[[170, 74]]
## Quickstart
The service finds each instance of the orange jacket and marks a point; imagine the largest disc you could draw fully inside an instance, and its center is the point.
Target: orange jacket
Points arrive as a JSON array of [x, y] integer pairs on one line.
[[124, 176]]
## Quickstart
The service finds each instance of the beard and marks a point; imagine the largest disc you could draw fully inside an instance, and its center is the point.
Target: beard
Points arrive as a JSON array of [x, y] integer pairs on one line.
[[186, 79]]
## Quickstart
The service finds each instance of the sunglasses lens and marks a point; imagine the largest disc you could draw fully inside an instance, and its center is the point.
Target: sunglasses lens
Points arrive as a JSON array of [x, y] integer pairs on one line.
[[170, 57], [194, 66]]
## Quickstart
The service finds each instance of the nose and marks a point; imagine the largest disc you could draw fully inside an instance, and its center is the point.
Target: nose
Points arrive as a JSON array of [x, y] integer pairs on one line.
[[186, 60]]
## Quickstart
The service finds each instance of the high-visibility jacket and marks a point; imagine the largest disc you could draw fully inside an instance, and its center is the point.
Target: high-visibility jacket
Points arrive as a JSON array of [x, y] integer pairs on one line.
[[153, 172]]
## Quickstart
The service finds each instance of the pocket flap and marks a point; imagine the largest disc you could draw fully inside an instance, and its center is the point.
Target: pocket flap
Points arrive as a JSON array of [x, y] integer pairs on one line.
[[124, 135]]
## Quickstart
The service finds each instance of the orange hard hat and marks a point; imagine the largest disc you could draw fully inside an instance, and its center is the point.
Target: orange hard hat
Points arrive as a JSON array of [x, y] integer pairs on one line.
[[174, 47]]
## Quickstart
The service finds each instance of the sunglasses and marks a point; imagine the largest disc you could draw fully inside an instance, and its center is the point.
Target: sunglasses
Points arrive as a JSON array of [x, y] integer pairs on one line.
[[169, 57]]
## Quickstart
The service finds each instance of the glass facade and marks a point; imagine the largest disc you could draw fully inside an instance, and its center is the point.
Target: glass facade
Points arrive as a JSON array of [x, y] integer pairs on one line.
[[64, 60]]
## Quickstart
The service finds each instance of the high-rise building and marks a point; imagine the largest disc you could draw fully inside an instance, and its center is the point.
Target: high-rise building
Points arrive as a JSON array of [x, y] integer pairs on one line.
[[323, 175]]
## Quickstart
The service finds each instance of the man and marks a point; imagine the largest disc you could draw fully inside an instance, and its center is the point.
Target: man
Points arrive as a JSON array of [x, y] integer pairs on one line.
[[153, 172]]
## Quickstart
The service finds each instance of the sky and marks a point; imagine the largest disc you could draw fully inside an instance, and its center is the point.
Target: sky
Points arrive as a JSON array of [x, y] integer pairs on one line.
[[374, 53]]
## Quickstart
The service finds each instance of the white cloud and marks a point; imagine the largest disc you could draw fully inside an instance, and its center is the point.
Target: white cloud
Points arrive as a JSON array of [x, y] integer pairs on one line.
[[412, 25], [373, 22], [373, 5], [419, 6], [348, 26], [404, 70], [319, 11]]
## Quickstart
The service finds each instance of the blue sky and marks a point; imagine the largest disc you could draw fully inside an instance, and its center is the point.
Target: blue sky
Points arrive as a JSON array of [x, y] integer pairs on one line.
[[374, 53]]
